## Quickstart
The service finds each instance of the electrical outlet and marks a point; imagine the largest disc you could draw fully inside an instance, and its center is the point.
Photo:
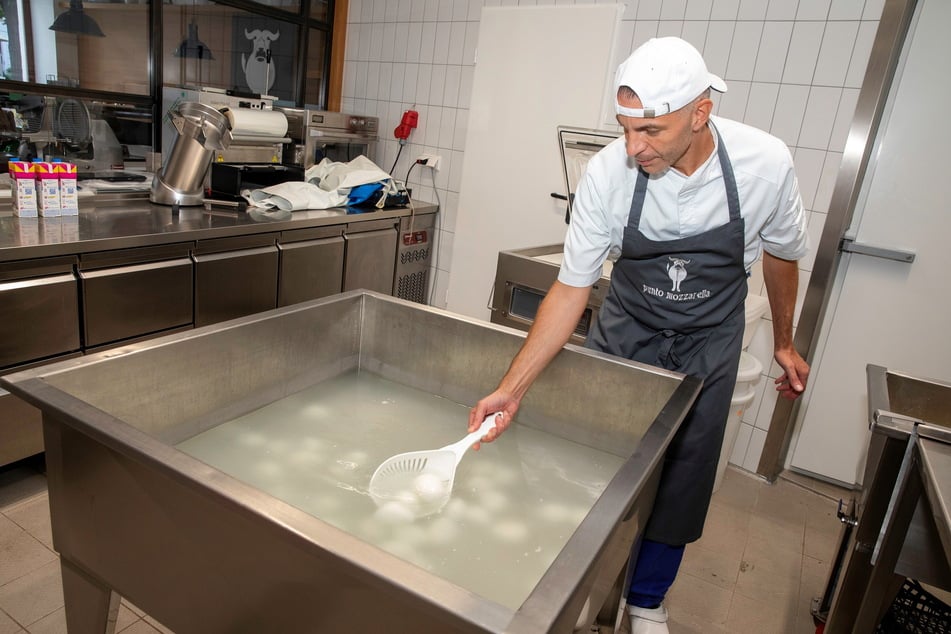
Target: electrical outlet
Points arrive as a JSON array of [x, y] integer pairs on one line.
[[432, 160]]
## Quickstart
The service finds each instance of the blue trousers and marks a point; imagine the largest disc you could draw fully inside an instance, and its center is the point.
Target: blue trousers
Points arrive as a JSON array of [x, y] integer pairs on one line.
[[653, 572]]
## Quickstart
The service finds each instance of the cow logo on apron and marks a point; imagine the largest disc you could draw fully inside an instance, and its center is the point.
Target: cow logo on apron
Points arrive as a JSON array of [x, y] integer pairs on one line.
[[676, 269]]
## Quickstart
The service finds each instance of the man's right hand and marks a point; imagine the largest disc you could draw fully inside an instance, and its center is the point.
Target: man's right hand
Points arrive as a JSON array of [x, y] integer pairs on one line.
[[497, 401]]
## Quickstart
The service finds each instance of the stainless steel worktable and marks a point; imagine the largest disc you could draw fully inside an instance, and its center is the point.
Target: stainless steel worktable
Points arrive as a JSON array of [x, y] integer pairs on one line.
[[935, 468], [127, 222]]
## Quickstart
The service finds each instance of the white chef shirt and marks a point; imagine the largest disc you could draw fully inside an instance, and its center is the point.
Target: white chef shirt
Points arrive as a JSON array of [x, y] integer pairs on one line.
[[678, 206]]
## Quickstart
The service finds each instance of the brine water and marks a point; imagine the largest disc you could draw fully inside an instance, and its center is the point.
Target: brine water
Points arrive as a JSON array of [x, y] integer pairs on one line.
[[514, 503]]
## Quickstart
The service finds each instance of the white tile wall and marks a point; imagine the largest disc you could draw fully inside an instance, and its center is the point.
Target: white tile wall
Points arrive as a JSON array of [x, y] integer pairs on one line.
[[793, 67]]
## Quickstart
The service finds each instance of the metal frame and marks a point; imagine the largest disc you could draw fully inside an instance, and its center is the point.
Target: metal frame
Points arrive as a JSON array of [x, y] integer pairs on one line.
[[883, 62]]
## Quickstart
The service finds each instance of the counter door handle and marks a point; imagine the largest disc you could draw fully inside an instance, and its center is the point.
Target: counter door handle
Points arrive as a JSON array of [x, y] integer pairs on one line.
[[37, 281], [849, 245]]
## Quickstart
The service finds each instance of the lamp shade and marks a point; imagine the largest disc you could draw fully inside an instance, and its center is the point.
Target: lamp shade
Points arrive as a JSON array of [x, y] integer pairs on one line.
[[192, 47], [75, 20]]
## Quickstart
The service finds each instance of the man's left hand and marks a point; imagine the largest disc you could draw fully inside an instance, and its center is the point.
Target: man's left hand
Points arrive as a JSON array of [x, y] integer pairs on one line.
[[792, 383]]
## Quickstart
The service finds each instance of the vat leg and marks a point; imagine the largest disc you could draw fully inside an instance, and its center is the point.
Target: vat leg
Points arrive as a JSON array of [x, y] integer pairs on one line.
[[91, 607]]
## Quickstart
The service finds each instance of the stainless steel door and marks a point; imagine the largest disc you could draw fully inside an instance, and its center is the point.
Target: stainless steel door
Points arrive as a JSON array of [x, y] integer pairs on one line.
[[150, 292], [311, 264], [39, 310], [235, 277], [370, 258]]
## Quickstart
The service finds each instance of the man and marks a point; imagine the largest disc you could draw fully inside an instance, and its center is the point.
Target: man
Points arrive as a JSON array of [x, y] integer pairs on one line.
[[688, 203]]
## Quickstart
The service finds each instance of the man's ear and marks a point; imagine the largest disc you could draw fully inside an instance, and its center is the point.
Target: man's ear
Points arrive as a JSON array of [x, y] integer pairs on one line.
[[701, 113]]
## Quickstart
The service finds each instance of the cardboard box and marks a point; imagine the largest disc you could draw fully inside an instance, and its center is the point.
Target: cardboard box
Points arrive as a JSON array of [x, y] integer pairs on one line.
[[23, 189], [47, 188], [68, 188]]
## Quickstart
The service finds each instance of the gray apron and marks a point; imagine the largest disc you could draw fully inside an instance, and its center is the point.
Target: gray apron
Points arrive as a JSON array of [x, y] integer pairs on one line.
[[678, 304]]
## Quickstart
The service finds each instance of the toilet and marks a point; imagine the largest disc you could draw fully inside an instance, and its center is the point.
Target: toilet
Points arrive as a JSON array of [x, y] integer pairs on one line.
[[747, 377]]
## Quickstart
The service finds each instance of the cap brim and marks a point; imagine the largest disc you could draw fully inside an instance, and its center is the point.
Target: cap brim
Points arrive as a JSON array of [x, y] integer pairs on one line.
[[717, 84]]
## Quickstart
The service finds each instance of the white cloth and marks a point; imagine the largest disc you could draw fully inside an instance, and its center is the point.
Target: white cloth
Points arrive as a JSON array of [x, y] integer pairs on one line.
[[294, 195], [342, 177], [678, 206]]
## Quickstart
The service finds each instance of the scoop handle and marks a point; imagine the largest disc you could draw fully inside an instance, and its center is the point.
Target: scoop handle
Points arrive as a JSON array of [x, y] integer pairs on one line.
[[459, 448]]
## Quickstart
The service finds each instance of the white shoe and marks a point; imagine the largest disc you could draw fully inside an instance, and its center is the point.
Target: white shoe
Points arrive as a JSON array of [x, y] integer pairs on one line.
[[648, 620]]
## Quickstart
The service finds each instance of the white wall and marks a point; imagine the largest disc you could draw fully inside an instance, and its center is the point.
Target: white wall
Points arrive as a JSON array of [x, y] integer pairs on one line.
[[793, 68]]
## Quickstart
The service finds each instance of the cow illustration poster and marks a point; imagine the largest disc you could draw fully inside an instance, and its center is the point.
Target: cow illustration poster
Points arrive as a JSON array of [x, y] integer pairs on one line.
[[263, 56]]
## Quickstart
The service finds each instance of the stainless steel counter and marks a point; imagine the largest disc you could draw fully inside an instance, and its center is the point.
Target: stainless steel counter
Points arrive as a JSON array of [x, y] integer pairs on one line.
[[117, 222]]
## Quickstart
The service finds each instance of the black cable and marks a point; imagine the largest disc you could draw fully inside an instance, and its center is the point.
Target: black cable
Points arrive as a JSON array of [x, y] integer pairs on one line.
[[398, 152]]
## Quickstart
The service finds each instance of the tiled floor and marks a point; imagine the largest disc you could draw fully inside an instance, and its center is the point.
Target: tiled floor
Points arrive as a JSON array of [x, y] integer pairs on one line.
[[764, 555]]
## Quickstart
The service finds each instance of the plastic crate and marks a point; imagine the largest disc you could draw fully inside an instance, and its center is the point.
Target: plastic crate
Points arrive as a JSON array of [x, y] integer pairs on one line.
[[916, 610]]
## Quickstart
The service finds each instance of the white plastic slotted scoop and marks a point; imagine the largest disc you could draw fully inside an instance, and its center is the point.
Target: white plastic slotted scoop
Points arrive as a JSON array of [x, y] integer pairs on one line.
[[421, 481]]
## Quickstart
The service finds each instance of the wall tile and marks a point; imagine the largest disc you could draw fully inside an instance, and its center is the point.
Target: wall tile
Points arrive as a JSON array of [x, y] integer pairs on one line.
[[431, 12], [360, 80], [427, 43], [462, 129], [843, 119], [838, 41], [761, 104], [423, 83], [448, 212], [355, 11], [417, 10], [457, 43], [725, 10], [873, 9], [475, 10], [391, 12], [716, 50], [376, 42], [860, 54], [695, 32], [755, 449], [746, 40], [643, 31], [441, 43], [401, 41], [670, 28], [749, 414], [431, 132], [846, 10], [352, 47], [465, 86], [698, 9], [373, 81], [803, 52], [386, 73], [741, 445], [630, 10], [732, 104], [414, 41], [830, 172], [673, 10], [460, 10], [451, 95], [820, 117], [379, 10], [410, 78], [649, 9], [816, 224], [781, 10], [397, 82], [809, 165], [790, 109], [752, 10], [437, 85], [388, 45], [765, 414], [404, 10], [447, 126], [813, 10], [773, 49]]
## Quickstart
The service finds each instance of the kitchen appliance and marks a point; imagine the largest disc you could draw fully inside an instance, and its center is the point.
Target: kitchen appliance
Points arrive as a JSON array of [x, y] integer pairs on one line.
[[228, 180], [319, 134], [63, 127], [111, 455], [414, 255], [201, 131], [255, 140]]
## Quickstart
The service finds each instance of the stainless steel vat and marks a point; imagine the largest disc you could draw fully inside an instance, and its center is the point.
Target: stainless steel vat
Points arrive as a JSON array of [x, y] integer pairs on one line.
[[203, 552], [899, 527]]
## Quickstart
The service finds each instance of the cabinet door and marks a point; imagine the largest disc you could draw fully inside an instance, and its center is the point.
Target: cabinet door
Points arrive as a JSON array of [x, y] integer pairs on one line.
[[310, 269], [39, 317], [370, 261], [235, 283], [130, 301]]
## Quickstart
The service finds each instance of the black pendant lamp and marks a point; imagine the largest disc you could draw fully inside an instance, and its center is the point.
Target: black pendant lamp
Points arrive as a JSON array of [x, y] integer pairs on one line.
[[191, 47], [74, 20]]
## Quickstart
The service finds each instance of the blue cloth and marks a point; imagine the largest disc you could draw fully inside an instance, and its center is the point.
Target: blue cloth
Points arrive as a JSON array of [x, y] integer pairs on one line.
[[653, 573]]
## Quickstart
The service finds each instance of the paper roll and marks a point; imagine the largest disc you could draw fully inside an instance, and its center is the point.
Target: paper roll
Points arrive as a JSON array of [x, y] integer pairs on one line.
[[248, 122]]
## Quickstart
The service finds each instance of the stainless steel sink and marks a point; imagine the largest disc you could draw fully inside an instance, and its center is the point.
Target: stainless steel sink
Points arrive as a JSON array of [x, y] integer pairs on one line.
[[202, 551]]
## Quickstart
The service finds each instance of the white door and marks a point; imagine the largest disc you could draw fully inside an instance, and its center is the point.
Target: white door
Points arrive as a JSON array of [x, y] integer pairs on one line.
[[883, 311]]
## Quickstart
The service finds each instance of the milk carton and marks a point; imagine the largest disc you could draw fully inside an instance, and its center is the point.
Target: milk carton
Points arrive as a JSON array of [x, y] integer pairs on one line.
[[68, 188], [23, 188], [47, 188]]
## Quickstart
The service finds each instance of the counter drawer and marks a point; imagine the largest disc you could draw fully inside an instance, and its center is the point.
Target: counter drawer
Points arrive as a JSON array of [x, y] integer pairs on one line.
[[370, 261], [310, 269], [235, 283], [130, 301], [39, 318]]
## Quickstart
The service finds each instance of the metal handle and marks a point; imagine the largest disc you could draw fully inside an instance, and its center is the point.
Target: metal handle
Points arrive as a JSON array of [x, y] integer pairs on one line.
[[848, 245], [847, 517]]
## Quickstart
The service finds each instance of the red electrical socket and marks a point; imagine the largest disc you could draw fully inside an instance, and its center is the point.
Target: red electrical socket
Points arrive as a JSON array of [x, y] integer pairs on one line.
[[407, 123]]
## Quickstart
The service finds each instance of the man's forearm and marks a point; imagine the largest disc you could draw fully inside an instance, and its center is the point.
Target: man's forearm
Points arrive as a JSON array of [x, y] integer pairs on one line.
[[556, 319], [782, 284]]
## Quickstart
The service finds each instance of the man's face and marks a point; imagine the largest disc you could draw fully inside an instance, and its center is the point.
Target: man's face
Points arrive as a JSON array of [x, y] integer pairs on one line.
[[657, 143]]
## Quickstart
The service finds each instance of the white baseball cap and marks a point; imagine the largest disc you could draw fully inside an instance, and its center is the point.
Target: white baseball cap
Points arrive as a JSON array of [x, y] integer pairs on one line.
[[667, 73]]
